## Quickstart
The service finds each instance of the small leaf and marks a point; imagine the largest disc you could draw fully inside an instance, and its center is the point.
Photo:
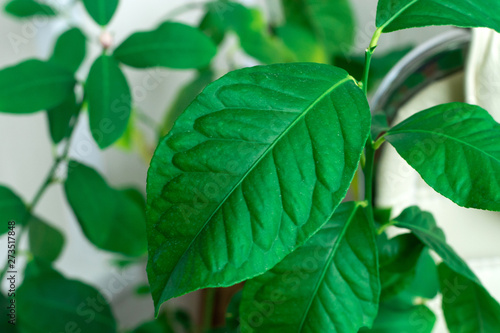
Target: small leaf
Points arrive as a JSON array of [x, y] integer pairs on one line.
[[395, 15], [456, 149], [109, 100], [212, 23], [12, 208], [467, 306], [332, 22], [45, 241], [45, 292], [34, 85], [254, 166], [101, 11], [172, 45], [423, 225], [330, 284], [185, 97], [414, 319], [59, 118], [112, 220], [70, 49], [28, 8]]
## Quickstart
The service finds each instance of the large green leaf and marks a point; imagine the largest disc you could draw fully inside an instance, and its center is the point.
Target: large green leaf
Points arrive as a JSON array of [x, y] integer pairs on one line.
[[330, 284], [34, 85], [45, 241], [12, 208], [413, 319], [456, 149], [109, 100], [70, 49], [332, 21], [173, 45], [79, 307], [101, 11], [395, 15], [467, 306], [255, 166], [423, 225], [59, 118], [28, 8], [112, 220]]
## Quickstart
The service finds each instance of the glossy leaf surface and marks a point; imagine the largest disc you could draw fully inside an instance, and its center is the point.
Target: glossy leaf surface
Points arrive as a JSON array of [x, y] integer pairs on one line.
[[255, 166], [12, 208], [101, 11], [112, 220], [423, 225], [456, 149], [34, 85], [28, 8], [467, 306], [402, 14], [60, 116], [70, 49], [330, 284], [172, 45], [45, 241], [331, 21], [109, 101], [45, 292]]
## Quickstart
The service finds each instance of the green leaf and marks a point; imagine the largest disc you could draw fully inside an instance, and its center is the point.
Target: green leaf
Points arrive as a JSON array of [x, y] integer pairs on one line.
[[415, 319], [423, 225], [254, 166], [398, 259], [233, 312], [467, 306], [425, 282], [303, 43], [111, 219], [12, 208], [70, 49], [254, 35], [395, 15], [185, 97], [101, 11], [59, 118], [109, 100], [212, 24], [330, 284], [28, 8], [456, 149], [45, 241], [332, 22], [154, 326], [45, 292], [34, 85], [172, 45]]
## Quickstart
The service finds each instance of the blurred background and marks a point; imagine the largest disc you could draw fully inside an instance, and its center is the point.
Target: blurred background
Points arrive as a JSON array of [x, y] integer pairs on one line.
[[25, 147]]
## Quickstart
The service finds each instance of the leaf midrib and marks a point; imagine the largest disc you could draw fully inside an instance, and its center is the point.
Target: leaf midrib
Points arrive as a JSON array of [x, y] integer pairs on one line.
[[321, 278], [445, 136], [253, 166]]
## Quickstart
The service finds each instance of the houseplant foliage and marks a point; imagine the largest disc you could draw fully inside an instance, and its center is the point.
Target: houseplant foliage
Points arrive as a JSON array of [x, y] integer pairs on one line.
[[248, 183], [247, 186]]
